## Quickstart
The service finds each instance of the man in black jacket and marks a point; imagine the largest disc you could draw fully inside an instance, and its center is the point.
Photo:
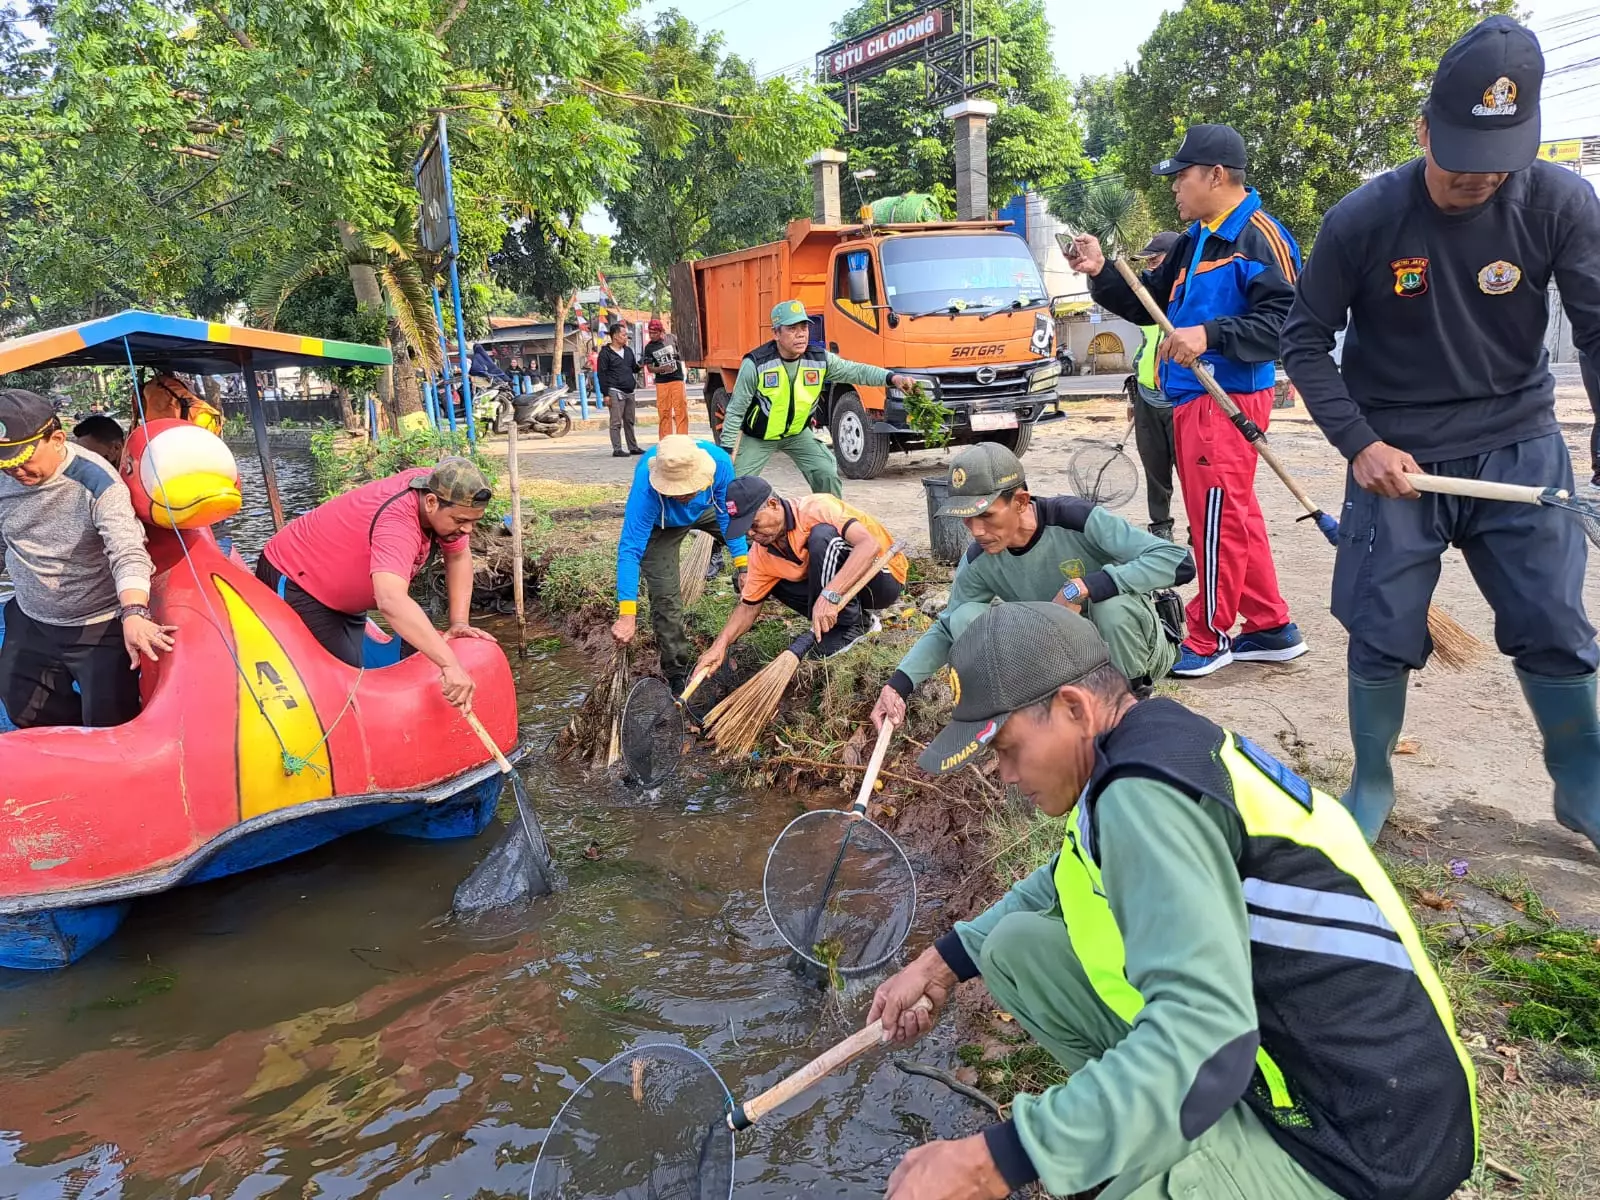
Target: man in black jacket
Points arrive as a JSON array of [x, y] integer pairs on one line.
[[618, 369], [1442, 266], [1227, 285]]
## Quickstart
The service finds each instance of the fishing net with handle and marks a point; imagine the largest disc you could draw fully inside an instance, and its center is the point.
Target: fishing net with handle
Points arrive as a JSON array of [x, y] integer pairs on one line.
[[1585, 508], [839, 889], [1102, 474], [652, 732]]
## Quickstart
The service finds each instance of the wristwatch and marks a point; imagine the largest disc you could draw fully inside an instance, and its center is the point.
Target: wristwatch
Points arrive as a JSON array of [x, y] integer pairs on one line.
[[832, 597], [133, 610], [1073, 592]]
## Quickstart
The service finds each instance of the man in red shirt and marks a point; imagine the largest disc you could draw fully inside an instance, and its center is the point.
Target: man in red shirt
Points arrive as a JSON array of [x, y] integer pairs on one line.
[[361, 550]]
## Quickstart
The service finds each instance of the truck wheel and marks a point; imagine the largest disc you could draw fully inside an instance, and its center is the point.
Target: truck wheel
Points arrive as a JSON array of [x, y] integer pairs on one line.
[[716, 409], [861, 451], [1015, 440]]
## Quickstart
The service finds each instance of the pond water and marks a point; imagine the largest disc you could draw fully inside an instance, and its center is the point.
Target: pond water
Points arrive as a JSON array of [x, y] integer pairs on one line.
[[320, 1029]]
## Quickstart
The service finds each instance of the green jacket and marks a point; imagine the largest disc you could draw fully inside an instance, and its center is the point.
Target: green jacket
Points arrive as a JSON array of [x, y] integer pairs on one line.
[[1074, 539], [840, 370]]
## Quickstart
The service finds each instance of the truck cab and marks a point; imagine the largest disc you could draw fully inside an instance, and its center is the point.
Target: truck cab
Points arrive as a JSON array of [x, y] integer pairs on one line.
[[960, 306]]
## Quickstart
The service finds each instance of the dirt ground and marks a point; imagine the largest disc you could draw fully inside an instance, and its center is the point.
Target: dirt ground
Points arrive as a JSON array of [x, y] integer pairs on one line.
[[1472, 785]]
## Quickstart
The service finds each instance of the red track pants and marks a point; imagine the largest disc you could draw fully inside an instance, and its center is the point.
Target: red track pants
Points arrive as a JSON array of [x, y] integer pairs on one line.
[[1233, 556]]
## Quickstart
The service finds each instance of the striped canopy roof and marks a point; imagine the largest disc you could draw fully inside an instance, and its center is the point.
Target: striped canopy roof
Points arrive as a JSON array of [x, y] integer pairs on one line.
[[179, 344]]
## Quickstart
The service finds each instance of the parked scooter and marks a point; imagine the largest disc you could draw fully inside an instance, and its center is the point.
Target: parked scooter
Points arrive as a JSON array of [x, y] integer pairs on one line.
[[537, 412]]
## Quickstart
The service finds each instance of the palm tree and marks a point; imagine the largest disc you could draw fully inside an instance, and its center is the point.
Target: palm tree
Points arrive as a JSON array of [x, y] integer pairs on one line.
[[386, 273], [1117, 215]]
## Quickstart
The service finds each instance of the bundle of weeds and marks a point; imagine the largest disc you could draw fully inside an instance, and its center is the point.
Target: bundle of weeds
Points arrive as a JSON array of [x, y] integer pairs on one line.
[[927, 416], [594, 733]]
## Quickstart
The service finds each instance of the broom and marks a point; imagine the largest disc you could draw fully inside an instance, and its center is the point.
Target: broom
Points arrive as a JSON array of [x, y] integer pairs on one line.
[[739, 720], [1453, 645], [692, 567]]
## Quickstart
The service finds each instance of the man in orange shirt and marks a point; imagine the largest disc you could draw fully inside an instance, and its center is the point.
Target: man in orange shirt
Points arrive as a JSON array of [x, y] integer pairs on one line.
[[807, 553]]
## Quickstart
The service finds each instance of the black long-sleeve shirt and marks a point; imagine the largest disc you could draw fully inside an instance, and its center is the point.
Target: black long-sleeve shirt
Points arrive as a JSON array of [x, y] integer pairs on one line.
[[617, 369], [1444, 353]]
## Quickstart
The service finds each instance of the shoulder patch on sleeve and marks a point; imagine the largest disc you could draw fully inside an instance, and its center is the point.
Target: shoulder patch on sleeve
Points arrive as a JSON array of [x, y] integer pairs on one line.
[[91, 476]]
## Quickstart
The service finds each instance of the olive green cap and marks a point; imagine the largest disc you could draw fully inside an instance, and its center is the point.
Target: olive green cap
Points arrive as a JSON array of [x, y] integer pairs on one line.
[[978, 475], [789, 312]]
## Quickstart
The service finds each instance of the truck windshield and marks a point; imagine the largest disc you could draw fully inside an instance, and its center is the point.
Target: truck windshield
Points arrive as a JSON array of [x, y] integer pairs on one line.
[[963, 271]]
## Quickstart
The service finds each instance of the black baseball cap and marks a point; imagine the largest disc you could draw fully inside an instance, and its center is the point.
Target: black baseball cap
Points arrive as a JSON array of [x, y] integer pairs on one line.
[[746, 495], [978, 475], [1012, 656], [25, 418], [1206, 146], [1483, 111], [1162, 243]]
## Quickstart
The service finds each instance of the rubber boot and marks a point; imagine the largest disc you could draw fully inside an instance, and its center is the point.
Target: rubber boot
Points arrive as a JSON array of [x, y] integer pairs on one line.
[[1565, 711], [1377, 709]]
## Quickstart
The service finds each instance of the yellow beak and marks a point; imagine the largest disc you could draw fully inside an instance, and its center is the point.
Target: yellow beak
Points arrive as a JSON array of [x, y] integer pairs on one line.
[[194, 500]]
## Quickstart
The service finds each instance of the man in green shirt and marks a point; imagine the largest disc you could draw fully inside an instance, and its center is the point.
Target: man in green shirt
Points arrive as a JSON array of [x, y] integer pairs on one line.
[[1238, 991], [1057, 548], [1151, 412], [778, 386]]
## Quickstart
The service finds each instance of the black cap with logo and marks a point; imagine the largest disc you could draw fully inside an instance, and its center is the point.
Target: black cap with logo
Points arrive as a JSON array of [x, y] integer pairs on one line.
[[1483, 111], [1162, 243], [1012, 656], [25, 418], [746, 495], [1206, 146]]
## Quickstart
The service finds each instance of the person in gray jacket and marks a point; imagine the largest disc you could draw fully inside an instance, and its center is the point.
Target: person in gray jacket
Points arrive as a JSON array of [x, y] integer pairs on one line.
[[76, 556]]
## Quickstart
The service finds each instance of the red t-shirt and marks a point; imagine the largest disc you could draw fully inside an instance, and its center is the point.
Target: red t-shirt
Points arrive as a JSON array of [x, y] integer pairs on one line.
[[329, 552]]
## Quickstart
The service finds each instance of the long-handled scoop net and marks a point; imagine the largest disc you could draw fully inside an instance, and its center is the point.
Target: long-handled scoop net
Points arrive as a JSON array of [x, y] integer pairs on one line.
[[739, 720], [653, 729], [658, 1123], [1102, 474], [519, 867], [838, 888], [1587, 511], [1453, 646]]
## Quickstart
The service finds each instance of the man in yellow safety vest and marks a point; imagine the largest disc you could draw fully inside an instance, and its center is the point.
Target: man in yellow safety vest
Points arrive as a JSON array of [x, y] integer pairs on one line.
[[1151, 412], [777, 387], [1237, 989]]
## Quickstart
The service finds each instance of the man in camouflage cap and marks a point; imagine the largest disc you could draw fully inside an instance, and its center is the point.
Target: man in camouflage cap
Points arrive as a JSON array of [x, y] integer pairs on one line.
[[361, 550], [778, 386]]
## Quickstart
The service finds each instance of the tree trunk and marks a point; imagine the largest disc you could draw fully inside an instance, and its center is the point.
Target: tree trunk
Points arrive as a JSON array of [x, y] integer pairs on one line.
[[407, 393], [364, 282]]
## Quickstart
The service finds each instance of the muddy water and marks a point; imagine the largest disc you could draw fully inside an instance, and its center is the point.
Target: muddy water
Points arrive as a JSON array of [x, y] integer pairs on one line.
[[319, 1029]]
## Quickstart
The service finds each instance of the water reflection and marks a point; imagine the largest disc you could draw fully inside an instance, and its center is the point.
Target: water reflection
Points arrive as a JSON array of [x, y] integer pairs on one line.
[[318, 1029]]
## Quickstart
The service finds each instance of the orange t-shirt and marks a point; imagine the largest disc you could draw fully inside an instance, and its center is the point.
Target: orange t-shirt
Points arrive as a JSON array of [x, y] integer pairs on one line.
[[790, 560]]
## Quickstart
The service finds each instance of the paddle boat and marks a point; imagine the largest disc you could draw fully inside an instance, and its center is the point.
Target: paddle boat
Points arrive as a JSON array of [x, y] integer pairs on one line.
[[254, 743]]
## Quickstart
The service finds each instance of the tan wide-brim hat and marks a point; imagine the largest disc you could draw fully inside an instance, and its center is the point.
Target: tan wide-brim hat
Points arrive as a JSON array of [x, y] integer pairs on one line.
[[680, 467]]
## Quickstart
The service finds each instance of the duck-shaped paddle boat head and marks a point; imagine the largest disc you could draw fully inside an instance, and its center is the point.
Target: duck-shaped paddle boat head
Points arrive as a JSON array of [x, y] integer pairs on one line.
[[181, 475]]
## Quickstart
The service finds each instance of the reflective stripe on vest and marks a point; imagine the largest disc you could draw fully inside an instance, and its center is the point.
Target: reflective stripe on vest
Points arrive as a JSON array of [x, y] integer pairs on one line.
[[781, 409]]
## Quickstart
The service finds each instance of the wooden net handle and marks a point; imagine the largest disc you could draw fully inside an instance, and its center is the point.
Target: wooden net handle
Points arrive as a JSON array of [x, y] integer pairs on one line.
[[1480, 489], [1209, 382], [808, 1076], [488, 742], [874, 765], [695, 681]]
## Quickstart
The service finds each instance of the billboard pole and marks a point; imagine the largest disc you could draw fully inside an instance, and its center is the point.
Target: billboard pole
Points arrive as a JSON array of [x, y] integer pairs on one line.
[[444, 350], [455, 280]]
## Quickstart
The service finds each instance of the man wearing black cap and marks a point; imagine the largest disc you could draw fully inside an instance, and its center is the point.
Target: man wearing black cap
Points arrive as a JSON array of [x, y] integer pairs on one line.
[[77, 559], [1151, 411], [1227, 285], [1238, 991], [1442, 266]]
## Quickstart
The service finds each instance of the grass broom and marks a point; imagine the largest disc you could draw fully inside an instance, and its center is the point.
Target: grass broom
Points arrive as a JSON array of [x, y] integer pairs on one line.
[[1453, 645], [736, 724], [692, 566]]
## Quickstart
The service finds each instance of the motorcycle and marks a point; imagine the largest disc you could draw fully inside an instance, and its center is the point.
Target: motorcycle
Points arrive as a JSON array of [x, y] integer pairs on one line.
[[537, 412]]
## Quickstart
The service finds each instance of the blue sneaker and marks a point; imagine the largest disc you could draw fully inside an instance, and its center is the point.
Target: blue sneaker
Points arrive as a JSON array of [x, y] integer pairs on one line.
[[1270, 645], [1197, 666]]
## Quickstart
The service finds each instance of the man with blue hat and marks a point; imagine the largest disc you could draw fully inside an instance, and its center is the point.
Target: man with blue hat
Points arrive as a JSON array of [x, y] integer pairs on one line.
[[779, 385], [1438, 271]]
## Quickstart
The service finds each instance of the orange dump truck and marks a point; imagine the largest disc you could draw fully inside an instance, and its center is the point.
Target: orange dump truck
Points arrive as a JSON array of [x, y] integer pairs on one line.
[[959, 305]]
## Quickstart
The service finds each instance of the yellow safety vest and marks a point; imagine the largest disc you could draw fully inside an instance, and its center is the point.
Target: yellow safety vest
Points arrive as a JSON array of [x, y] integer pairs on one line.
[[780, 408]]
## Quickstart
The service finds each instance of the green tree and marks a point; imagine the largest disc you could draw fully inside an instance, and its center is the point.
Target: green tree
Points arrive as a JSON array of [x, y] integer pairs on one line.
[[1325, 92], [1117, 215], [1033, 139], [546, 261], [720, 152], [1103, 128]]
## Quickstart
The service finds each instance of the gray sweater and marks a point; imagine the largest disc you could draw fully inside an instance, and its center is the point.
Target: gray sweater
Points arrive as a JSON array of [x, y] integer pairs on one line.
[[72, 543]]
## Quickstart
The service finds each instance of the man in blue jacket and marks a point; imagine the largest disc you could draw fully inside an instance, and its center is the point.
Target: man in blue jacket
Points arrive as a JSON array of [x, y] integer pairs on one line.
[[680, 484], [1227, 285]]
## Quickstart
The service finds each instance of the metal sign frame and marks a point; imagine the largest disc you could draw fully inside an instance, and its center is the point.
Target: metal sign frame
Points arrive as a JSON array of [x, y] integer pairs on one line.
[[956, 64], [436, 186]]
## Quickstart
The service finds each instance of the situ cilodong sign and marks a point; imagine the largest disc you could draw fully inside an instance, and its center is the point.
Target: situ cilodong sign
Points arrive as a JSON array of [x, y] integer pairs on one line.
[[885, 43]]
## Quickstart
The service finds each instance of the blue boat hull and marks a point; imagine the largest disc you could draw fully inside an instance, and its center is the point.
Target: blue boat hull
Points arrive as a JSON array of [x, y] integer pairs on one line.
[[51, 938]]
